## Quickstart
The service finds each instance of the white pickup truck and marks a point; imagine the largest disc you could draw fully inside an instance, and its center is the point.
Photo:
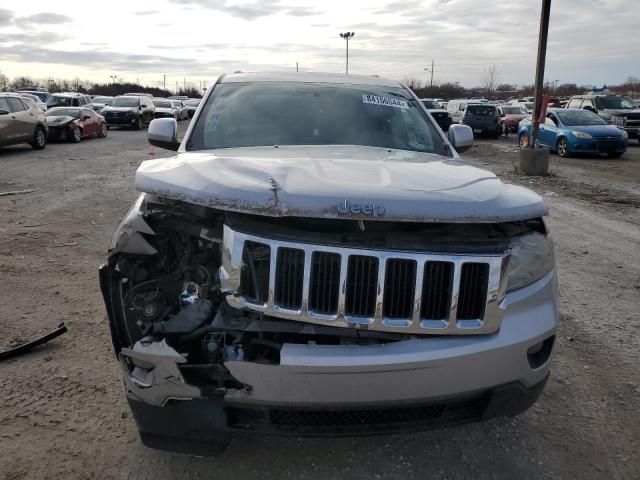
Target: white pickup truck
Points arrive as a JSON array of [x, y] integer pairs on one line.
[[316, 259]]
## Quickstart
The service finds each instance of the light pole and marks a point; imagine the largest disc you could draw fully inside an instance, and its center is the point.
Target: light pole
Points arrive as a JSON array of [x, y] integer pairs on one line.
[[347, 36], [427, 69], [113, 78]]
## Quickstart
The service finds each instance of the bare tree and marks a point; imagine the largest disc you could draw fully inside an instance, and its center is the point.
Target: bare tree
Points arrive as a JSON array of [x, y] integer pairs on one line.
[[490, 79], [4, 82], [413, 83]]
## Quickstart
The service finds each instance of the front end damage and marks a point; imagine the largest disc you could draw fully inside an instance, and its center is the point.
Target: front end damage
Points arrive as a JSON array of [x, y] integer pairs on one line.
[[215, 337]]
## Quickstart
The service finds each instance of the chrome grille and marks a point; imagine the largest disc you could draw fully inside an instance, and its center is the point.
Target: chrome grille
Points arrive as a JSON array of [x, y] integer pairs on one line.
[[353, 287]]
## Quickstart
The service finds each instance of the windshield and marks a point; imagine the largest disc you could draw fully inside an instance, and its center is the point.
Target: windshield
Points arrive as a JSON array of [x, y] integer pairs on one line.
[[192, 103], [614, 103], [175, 103], [430, 104], [579, 117], [162, 104], [513, 111], [63, 112], [261, 114], [54, 100], [125, 102], [104, 100], [487, 110]]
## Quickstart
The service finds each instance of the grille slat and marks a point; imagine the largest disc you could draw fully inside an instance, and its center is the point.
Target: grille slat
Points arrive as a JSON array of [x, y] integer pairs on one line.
[[324, 286], [289, 278], [436, 290], [399, 288], [254, 278], [473, 291], [362, 283]]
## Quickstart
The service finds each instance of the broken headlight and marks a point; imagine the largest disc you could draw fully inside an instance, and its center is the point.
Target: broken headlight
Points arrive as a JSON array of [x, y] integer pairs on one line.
[[531, 259]]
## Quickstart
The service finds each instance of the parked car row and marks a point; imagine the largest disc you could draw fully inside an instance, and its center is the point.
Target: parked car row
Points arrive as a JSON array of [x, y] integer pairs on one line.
[[32, 115]]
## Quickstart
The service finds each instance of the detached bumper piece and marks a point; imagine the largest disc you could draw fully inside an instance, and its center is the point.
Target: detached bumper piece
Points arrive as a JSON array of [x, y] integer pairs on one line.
[[25, 347], [204, 426]]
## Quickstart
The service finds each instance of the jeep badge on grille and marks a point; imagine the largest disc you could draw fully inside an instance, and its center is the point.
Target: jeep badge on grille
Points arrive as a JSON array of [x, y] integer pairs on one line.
[[364, 208]]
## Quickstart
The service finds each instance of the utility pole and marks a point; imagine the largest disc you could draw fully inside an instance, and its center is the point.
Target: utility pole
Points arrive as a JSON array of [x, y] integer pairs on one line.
[[347, 36], [542, 57], [184, 84], [113, 78], [164, 81], [297, 70]]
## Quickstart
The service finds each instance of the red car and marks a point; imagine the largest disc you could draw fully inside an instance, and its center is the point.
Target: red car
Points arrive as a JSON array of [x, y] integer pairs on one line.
[[74, 124], [510, 116]]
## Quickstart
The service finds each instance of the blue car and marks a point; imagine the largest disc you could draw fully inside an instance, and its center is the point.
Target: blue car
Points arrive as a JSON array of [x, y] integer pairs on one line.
[[571, 131]]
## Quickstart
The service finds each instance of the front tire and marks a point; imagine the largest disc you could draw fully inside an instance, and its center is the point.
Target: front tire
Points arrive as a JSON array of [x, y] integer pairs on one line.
[[39, 139], [139, 124], [562, 147], [103, 130], [523, 140], [615, 154], [76, 134]]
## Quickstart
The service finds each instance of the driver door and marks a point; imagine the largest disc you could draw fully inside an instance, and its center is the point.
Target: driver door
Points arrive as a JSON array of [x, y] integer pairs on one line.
[[548, 131]]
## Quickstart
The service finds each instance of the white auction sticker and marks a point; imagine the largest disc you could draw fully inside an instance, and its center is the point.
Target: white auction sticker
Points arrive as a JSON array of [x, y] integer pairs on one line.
[[388, 102]]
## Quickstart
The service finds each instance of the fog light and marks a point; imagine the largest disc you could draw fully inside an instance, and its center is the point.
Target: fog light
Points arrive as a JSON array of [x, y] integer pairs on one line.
[[539, 353]]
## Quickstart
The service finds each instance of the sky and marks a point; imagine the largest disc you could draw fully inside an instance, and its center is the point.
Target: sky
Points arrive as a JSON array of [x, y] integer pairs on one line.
[[193, 41]]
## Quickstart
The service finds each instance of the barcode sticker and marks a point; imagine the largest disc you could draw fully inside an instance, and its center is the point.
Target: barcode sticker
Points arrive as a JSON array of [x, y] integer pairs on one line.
[[385, 101]]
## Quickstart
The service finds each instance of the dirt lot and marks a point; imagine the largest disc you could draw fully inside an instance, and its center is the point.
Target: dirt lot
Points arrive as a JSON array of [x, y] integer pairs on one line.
[[62, 410]]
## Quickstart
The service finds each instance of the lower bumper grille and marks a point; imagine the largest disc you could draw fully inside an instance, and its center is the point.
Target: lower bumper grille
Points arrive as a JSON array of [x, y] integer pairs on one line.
[[347, 287], [354, 421]]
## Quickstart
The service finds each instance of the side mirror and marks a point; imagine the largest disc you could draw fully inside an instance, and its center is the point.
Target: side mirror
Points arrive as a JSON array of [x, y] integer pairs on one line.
[[502, 114], [461, 137], [163, 133], [86, 117], [4, 112], [590, 108]]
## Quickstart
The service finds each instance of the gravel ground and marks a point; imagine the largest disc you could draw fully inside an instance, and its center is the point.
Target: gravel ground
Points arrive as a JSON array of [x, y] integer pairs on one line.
[[62, 409]]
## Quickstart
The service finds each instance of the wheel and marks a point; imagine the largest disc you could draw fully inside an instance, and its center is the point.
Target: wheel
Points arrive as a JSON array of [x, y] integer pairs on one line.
[[615, 154], [138, 125], [524, 140], [76, 134], [39, 139], [562, 147], [103, 130]]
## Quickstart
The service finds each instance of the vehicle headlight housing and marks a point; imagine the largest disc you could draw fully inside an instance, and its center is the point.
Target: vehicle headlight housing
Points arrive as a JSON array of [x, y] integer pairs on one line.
[[583, 135], [531, 259], [625, 135], [619, 121]]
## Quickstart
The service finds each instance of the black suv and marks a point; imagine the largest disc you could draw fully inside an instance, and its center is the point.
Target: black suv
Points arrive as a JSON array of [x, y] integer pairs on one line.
[[483, 119], [129, 111], [615, 109]]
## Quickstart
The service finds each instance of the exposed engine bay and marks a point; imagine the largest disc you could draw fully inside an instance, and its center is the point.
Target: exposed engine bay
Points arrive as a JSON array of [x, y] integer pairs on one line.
[[172, 326]]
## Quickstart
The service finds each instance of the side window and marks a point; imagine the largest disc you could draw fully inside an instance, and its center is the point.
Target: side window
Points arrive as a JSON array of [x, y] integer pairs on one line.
[[4, 105], [462, 107], [75, 102], [575, 103], [549, 121], [86, 112], [588, 103], [16, 105]]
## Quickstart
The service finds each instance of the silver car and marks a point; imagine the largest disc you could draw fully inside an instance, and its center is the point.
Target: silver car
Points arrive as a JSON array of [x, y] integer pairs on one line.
[[317, 259], [21, 121]]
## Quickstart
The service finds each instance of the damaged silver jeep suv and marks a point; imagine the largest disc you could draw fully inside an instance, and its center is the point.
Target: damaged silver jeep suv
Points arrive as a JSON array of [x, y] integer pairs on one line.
[[317, 260]]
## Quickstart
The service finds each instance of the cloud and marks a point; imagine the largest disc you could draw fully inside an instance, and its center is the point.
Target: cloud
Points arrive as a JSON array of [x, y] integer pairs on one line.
[[251, 10], [147, 12], [6, 17], [44, 18]]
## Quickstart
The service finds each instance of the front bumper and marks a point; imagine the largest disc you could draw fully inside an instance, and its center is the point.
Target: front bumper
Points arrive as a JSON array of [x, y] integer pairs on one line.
[[127, 120], [485, 129], [598, 146], [402, 386], [58, 133]]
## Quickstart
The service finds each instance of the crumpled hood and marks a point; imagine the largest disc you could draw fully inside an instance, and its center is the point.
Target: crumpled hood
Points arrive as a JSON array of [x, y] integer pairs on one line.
[[313, 181], [59, 119]]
